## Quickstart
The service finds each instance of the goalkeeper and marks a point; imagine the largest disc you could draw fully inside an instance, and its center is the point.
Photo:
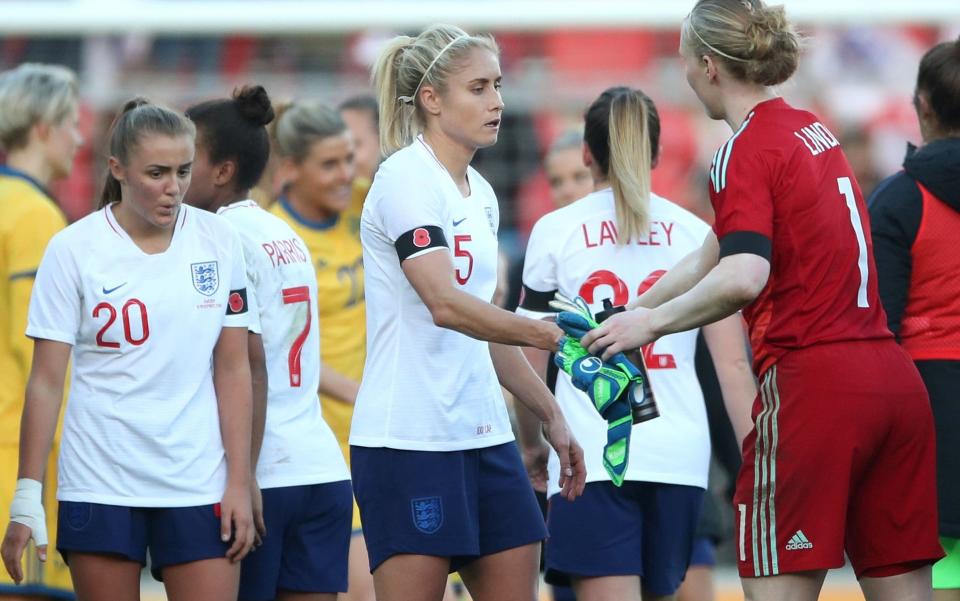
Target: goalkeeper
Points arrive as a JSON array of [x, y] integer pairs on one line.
[[632, 529]]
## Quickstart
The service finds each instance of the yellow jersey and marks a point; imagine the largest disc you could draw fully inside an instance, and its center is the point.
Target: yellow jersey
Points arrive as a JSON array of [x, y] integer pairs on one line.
[[28, 219], [334, 246]]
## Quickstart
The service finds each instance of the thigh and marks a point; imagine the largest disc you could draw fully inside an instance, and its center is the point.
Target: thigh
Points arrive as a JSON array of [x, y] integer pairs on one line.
[[183, 535], [260, 569], [416, 502], [407, 577], [608, 588], [670, 516], [793, 486], [510, 575], [105, 577], [599, 534], [508, 510], [92, 528], [202, 580], [360, 587], [800, 586], [316, 542], [893, 495]]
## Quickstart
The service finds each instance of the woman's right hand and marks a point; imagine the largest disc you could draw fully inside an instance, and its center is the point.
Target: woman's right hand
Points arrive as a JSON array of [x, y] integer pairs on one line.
[[573, 471]]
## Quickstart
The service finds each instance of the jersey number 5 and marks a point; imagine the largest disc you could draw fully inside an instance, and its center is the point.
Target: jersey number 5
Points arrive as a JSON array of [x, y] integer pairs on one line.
[[299, 294], [459, 251], [128, 334], [621, 296]]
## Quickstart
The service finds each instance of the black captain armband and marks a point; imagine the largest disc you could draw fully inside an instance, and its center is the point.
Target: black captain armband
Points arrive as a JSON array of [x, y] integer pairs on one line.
[[419, 239], [753, 243], [532, 300], [237, 302]]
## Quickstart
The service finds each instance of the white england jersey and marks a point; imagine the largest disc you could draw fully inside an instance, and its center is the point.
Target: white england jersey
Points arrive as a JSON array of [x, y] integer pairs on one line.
[[298, 446], [574, 250], [142, 427], [425, 387]]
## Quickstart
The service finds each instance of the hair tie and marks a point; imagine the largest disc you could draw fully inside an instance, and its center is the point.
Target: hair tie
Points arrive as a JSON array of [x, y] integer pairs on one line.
[[410, 99], [714, 50]]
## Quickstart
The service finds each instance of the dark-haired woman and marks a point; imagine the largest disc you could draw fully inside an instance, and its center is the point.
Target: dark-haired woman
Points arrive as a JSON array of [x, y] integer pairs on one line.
[[615, 541], [307, 500], [841, 456], [147, 298], [914, 217]]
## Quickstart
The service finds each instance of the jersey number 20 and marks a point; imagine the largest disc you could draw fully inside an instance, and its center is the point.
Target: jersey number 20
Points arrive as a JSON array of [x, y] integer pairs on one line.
[[128, 333]]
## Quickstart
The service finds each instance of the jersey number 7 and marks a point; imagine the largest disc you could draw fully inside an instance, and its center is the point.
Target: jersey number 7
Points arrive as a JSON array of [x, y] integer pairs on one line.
[[298, 294]]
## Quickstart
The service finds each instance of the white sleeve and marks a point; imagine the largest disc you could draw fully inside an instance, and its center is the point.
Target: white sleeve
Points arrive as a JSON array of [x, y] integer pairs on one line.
[[405, 205], [540, 282], [238, 304], [55, 303]]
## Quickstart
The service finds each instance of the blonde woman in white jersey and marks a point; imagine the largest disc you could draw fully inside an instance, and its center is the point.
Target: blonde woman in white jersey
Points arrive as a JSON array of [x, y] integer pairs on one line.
[[615, 542], [305, 485], [147, 297], [436, 473]]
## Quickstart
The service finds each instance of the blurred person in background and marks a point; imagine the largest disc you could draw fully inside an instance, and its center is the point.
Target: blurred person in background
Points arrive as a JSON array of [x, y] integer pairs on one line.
[[619, 540], [915, 218], [320, 201], [842, 408], [361, 116], [38, 132], [568, 176], [857, 144], [307, 500]]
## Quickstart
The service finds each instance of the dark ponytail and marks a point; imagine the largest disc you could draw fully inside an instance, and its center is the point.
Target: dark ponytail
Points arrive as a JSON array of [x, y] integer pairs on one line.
[[235, 130], [139, 117]]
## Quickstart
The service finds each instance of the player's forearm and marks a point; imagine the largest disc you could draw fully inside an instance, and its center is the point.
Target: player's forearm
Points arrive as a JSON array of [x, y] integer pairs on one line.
[[727, 346], [258, 382], [681, 277], [41, 407], [516, 375], [464, 313], [232, 383], [732, 284], [338, 386]]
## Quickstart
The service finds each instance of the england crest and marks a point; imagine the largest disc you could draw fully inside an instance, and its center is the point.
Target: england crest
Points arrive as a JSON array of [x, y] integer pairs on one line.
[[427, 514], [206, 277]]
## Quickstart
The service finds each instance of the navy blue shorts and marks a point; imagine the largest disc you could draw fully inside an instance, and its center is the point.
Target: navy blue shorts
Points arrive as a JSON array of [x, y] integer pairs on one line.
[[307, 542], [174, 535], [456, 504], [644, 529], [704, 552]]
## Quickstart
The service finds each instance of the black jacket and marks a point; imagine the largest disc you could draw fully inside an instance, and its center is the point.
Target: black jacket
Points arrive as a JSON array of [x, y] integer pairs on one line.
[[896, 208]]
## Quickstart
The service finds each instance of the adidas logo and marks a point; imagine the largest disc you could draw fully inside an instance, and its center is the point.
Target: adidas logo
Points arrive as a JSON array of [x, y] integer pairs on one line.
[[799, 542]]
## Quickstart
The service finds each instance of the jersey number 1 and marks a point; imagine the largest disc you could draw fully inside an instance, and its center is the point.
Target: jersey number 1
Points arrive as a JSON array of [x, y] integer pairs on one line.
[[846, 189], [299, 294]]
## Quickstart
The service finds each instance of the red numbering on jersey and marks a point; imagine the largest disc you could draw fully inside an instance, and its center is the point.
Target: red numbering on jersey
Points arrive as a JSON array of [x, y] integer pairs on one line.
[[621, 296], [421, 237], [299, 294], [236, 302], [460, 251], [125, 312]]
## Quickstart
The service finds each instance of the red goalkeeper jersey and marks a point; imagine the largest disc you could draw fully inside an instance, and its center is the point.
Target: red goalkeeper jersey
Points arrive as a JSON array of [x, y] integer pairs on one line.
[[782, 188]]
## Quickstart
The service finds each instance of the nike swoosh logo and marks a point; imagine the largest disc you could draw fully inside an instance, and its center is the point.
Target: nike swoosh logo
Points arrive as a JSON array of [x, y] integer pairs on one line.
[[456, 223], [108, 291]]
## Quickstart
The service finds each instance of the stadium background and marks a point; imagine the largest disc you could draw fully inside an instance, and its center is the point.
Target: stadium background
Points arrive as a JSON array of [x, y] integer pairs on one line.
[[857, 72]]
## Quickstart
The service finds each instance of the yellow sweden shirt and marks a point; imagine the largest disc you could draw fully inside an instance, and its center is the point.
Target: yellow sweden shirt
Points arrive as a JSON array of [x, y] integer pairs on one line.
[[28, 219], [338, 259]]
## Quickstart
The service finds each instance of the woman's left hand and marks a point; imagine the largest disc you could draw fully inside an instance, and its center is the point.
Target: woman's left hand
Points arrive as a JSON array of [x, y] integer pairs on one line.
[[236, 519], [622, 332]]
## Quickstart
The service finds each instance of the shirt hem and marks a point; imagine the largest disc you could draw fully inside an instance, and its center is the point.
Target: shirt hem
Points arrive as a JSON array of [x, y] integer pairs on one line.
[[147, 502], [53, 335], [419, 445], [285, 482]]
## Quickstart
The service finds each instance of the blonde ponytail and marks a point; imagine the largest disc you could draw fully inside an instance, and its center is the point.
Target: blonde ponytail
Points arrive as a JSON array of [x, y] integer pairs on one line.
[[630, 164], [395, 116]]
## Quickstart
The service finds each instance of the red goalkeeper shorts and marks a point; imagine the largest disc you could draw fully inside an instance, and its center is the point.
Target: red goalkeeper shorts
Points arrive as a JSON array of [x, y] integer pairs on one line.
[[841, 458]]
